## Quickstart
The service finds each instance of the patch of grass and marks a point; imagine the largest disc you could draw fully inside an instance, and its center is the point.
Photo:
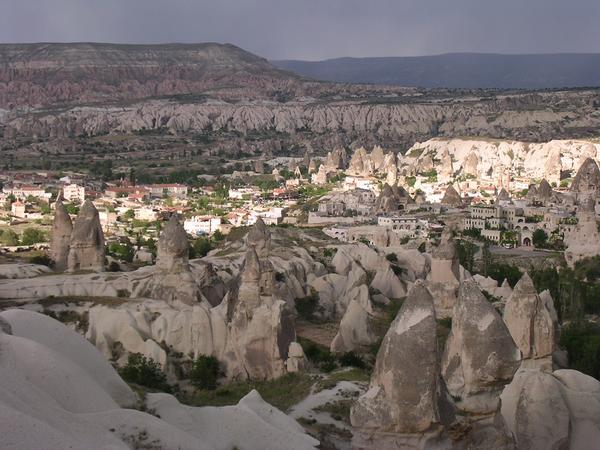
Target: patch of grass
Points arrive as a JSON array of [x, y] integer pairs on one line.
[[283, 393], [332, 379]]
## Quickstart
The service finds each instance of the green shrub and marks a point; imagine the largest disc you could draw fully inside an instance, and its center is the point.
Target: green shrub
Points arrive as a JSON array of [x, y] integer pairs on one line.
[[307, 306], [145, 372], [582, 342], [9, 238], [205, 372], [318, 354], [351, 359], [32, 236]]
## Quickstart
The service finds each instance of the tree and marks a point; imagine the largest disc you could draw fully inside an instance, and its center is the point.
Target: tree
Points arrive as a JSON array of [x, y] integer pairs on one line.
[[205, 372], [145, 372], [9, 238], [539, 238], [33, 236], [200, 247]]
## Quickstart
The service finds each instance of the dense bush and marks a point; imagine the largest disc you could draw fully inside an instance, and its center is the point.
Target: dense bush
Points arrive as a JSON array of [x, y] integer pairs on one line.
[[318, 354], [307, 306], [9, 238], [200, 247], [575, 292], [145, 372], [121, 250], [582, 342], [351, 359], [539, 238], [32, 236], [205, 372]]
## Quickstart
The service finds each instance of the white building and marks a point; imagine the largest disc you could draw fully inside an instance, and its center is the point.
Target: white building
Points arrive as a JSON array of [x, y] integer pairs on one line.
[[359, 183], [73, 192], [171, 190], [198, 225], [108, 219], [145, 214], [17, 209], [243, 193], [405, 225], [25, 191]]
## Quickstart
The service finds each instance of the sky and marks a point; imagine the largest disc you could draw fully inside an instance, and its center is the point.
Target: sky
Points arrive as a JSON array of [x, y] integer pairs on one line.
[[316, 29]]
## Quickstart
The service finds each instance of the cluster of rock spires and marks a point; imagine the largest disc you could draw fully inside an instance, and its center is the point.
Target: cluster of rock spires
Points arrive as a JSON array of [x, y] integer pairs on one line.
[[494, 388], [261, 331], [79, 245]]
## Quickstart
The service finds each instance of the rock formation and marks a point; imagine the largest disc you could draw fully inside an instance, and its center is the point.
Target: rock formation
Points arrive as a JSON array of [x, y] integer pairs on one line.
[[60, 240], [470, 164], [544, 192], [502, 197], [406, 395], [86, 249], [480, 355], [444, 278], [553, 166], [321, 176], [532, 322], [260, 326], [446, 170], [360, 163], [584, 240], [451, 197], [172, 279], [587, 181], [392, 199], [335, 160], [558, 410]]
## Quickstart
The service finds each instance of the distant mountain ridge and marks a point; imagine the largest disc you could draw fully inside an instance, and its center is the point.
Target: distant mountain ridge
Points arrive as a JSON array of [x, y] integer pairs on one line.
[[45, 74], [458, 70]]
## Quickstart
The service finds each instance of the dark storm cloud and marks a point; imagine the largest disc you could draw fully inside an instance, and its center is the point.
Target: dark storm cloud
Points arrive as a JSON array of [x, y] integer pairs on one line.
[[316, 29]]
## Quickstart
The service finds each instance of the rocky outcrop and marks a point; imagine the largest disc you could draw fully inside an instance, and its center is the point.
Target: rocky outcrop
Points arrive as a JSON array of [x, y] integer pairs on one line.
[[335, 160], [558, 410], [361, 163], [502, 197], [392, 199], [586, 183], [86, 248], [172, 279], [445, 274], [497, 157], [406, 395], [60, 240], [470, 164], [452, 197], [480, 355], [260, 326], [532, 322], [583, 241], [446, 169]]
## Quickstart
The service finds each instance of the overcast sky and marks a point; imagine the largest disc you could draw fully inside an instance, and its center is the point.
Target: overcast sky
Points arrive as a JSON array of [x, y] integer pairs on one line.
[[316, 29]]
